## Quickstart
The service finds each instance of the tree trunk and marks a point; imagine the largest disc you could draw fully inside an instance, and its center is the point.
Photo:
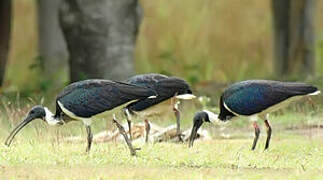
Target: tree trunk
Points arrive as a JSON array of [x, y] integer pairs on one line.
[[100, 36], [5, 28], [52, 46], [294, 50], [281, 38]]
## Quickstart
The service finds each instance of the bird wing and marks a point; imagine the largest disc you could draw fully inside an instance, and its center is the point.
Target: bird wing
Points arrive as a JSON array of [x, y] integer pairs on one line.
[[143, 104], [172, 86], [165, 88], [146, 80], [91, 97], [254, 96]]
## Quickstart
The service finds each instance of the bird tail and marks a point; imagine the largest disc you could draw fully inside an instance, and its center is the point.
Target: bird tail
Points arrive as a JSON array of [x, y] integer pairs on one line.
[[301, 88]]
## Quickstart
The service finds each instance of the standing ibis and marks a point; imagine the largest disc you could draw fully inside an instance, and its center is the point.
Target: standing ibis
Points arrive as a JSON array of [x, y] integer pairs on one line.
[[165, 87], [81, 100], [255, 98]]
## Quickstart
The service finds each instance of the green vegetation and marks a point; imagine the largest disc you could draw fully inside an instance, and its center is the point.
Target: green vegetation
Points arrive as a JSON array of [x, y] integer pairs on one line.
[[40, 152], [188, 38], [289, 157], [202, 41]]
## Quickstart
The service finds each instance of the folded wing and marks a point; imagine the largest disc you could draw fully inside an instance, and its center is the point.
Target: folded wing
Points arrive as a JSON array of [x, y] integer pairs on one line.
[[254, 96], [91, 97]]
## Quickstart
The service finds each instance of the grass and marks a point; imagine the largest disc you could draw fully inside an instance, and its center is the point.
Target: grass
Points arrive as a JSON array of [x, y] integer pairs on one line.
[[192, 39], [293, 157], [40, 152]]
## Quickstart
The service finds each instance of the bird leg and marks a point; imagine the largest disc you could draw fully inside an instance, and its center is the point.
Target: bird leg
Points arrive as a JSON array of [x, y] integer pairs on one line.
[[268, 133], [178, 116], [128, 116], [124, 134], [257, 132], [147, 128], [89, 138]]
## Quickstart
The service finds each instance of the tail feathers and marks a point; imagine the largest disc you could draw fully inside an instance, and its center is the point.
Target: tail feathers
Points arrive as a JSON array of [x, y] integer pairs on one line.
[[301, 88]]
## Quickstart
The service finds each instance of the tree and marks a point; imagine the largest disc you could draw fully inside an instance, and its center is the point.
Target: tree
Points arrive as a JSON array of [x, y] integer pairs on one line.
[[52, 47], [100, 36], [294, 50], [5, 28]]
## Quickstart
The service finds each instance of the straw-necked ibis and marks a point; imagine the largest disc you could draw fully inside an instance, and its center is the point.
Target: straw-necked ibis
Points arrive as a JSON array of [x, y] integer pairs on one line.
[[254, 98], [165, 87], [81, 100]]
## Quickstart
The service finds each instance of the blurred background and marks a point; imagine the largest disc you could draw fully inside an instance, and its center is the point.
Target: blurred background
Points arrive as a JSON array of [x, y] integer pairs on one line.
[[210, 43]]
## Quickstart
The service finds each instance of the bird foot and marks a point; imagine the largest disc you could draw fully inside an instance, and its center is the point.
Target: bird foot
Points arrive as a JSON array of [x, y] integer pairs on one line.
[[124, 134], [180, 138]]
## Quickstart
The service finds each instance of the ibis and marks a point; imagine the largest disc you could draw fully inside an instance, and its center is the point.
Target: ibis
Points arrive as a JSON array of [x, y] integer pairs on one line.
[[82, 100], [166, 88], [254, 99]]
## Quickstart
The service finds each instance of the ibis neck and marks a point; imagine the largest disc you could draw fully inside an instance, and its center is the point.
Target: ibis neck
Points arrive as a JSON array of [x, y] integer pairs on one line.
[[212, 116], [50, 119]]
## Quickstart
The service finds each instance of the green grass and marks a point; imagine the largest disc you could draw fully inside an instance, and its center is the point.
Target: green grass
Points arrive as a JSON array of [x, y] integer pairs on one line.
[[289, 157], [40, 152]]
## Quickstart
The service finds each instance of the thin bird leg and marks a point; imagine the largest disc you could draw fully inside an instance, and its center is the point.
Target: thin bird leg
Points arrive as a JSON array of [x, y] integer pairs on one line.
[[147, 128], [268, 133], [124, 134], [89, 138], [311, 102], [178, 117], [128, 116], [257, 132]]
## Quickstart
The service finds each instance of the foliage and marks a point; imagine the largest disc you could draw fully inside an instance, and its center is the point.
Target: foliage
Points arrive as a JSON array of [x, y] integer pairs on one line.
[[198, 40]]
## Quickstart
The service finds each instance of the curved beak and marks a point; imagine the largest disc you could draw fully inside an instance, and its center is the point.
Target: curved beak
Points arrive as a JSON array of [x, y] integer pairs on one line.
[[196, 126], [193, 135], [17, 129]]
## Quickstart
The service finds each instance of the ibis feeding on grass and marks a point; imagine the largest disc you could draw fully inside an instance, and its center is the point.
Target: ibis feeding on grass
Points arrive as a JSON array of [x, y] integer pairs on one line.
[[253, 99], [166, 88], [82, 100]]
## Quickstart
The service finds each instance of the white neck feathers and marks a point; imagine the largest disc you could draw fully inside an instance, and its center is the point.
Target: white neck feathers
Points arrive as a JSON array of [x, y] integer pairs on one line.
[[212, 116], [50, 117]]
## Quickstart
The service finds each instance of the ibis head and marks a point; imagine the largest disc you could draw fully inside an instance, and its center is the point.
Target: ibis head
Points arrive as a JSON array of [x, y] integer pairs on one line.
[[37, 112], [199, 118]]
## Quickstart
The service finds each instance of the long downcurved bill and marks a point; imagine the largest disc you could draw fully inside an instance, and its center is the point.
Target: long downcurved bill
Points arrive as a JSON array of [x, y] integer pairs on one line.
[[193, 136], [16, 130]]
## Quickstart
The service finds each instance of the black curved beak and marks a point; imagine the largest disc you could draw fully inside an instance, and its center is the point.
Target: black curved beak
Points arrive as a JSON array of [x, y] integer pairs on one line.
[[17, 129], [193, 136], [196, 127]]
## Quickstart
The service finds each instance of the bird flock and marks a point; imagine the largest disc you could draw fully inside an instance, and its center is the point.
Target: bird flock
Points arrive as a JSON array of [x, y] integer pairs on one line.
[[80, 101]]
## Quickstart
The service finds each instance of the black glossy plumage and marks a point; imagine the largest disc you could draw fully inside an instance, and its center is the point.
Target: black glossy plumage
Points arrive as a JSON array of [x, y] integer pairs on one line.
[[165, 87], [90, 97], [254, 96], [146, 80]]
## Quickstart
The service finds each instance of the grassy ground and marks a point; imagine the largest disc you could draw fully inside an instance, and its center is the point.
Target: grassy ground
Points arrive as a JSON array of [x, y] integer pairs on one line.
[[296, 152], [290, 157]]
